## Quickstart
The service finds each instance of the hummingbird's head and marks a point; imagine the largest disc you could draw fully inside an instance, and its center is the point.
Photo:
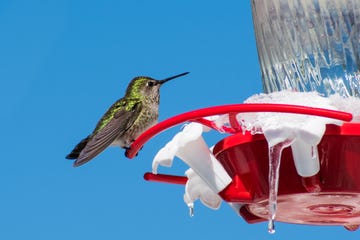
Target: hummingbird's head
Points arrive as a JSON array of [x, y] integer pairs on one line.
[[147, 87]]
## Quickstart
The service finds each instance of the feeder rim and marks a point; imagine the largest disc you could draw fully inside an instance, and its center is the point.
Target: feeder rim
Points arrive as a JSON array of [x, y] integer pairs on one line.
[[231, 109]]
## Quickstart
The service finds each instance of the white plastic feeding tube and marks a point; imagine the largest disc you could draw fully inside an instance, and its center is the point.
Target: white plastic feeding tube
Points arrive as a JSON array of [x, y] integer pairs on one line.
[[190, 147], [197, 155], [196, 188], [306, 158]]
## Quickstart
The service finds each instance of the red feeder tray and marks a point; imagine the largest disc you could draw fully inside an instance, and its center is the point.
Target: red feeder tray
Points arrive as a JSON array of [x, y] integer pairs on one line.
[[332, 197], [337, 203]]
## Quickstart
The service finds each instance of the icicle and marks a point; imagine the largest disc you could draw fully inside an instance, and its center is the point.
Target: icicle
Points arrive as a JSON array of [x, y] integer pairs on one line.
[[274, 167], [191, 209], [271, 226]]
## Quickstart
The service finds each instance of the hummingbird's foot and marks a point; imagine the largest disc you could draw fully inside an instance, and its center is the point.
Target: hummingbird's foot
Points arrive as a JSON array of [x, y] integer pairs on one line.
[[127, 149]]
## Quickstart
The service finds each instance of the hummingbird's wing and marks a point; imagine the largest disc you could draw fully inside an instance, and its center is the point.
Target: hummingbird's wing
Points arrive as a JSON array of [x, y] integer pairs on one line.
[[121, 121]]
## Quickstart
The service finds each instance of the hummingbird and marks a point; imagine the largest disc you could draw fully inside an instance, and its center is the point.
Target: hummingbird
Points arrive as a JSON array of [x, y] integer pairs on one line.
[[125, 120]]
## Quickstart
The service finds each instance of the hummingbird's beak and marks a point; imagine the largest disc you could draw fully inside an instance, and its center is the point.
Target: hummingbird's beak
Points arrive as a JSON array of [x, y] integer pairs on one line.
[[170, 78]]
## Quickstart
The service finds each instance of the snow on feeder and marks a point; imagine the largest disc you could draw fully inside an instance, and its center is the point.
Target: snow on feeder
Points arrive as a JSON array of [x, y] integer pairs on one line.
[[304, 131]]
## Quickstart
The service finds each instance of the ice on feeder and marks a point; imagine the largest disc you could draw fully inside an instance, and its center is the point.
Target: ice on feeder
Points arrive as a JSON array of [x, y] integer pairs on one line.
[[191, 132], [302, 133], [349, 104], [196, 188], [165, 156], [189, 146], [275, 152], [305, 130]]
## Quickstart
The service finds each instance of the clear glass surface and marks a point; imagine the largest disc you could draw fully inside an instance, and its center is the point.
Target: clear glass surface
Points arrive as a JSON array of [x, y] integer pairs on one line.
[[309, 45]]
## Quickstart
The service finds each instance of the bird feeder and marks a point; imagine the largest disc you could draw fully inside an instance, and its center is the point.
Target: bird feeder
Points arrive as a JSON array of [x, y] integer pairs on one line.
[[303, 46], [329, 197]]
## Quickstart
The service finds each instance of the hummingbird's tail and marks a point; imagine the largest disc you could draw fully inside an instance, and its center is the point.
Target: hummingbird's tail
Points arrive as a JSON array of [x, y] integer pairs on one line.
[[78, 148]]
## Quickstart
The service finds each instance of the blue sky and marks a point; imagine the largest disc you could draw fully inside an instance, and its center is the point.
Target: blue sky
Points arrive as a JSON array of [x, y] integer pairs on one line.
[[63, 63]]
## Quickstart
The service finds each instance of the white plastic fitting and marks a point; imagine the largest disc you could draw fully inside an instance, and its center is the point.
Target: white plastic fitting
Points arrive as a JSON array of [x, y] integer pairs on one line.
[[306, 158]]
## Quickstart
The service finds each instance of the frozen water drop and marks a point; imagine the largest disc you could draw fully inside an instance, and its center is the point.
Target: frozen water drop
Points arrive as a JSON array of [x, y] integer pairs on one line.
[[271, 226], [191, 209]]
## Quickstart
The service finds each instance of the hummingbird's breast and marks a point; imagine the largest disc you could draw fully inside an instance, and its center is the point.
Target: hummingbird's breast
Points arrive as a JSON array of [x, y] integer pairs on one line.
[[147, 118]]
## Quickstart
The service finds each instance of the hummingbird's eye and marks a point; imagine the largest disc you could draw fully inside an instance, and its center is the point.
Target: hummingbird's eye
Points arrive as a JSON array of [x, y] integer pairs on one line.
[[150, 83]]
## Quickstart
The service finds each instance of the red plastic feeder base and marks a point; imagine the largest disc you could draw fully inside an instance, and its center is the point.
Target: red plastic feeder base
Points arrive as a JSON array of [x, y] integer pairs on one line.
[[331, 197], [334, 197], [325, 208]]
